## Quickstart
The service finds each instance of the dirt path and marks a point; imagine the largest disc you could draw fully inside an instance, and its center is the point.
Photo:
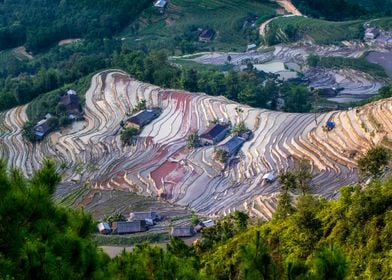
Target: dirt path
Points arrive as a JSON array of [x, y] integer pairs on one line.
[[289, 7], [21, 51]]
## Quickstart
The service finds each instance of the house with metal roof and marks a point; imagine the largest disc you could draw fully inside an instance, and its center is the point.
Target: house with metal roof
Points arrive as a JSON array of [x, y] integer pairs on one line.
[[187, 231], [206, 35], [214, 134], [232, 146], [71, 102], [129, 227], [104, 228], [148, 215], [160, 4], [143, 118]]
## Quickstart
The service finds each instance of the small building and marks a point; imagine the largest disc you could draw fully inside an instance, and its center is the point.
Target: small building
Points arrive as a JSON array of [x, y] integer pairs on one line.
[[233, 145], [371, 33], [251, 47], [182, 231], [148, 215], [42, 127], [326, 92], [104, 228], [161, 4], [208, 223], [206, 35], [129, 227], [142, 118], [71, 102], [214, 134], [270, 177]]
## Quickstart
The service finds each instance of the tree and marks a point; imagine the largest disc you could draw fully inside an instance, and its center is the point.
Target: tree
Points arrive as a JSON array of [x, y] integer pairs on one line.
[[193, 140], [329, 263], [373, 163], [28, 131], [304, 176], [288, 182], [127, 135]]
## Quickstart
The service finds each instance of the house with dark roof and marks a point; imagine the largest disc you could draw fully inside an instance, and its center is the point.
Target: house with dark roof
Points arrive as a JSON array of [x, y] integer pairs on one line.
[[206, 35], [187, 231], [214, 134], [148, 215], [42, 127], [104, 228], [129, 227], [143, 118], [232, 146], [71, 102]]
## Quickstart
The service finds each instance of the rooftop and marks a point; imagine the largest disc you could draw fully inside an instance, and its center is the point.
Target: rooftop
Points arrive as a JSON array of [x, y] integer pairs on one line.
[[213, 131], [144, 116]]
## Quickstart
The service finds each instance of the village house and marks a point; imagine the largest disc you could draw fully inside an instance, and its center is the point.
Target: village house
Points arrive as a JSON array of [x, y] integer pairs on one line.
[[42, 127], [148, 215], [371, 33], [270, 177], [182, 231], [214, 134], [142, 118], [71, 103], [251, 47], [129, 227], [104, 228], [161, 4], [327, 92], [232, 146], [206, 35]]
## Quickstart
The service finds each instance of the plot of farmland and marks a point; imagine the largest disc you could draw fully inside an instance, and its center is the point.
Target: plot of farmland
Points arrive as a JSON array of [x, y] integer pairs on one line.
[[159, 164]]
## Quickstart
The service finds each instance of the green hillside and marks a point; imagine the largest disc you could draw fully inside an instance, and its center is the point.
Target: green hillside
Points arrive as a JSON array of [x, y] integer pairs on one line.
[[176, 28], [290, 29]]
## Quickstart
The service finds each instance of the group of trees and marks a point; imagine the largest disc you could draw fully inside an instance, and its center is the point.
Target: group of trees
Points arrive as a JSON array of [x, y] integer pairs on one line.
[[319, 239], [40, 24], [249, 87]]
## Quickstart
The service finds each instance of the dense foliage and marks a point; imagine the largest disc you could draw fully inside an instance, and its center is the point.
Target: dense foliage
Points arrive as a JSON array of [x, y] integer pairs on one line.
[[344, 9], [345, 238], [360, 64], [39, 24]]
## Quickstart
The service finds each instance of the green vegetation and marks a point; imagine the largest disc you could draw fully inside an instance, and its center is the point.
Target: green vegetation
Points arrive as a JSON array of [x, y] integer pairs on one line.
[[177, 29], [193, 140], [360, 64], [384, 23], [291, 29], [344, 9], [40, 24], [221, 155], [347, 238], [374, 162], [127, 135], [141, 105]]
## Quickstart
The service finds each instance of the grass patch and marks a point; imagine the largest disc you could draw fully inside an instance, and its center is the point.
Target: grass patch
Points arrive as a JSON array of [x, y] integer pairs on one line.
[[384, 23], [225, 17], [199, 66], [360, 64], [130, 239], [288, 29]]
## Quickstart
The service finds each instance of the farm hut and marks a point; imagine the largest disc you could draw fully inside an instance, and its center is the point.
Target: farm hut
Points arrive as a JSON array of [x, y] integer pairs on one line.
[[233, 145], [371, 33], [182, 231], [104, 228], [206, 35], [270, 177], [71, 102], [148, 215], [214, 134], [160, 4], [208, 223], [142, 118], [330, 125], [129, 227]]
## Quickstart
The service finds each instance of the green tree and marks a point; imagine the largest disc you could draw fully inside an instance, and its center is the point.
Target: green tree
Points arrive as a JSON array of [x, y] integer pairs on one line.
[[128, 134], [373, 163]]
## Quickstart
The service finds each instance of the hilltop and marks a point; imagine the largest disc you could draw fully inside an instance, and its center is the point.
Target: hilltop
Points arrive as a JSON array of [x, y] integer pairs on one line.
[[159, 164]]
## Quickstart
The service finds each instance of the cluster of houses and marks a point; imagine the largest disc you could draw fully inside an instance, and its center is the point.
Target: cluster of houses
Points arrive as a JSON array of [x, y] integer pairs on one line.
[[73, 110], [141, 221], [137, 222], [379, 37]]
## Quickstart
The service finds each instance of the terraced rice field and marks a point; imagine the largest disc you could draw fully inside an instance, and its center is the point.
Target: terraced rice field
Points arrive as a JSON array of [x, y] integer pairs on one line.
[[159, 164]]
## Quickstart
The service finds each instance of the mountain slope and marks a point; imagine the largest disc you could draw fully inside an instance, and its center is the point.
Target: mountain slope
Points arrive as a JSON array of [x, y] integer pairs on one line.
[[160, 164]]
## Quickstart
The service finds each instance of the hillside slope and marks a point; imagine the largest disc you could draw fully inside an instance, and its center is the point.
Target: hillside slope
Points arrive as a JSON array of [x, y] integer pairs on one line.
[[160, 164]]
